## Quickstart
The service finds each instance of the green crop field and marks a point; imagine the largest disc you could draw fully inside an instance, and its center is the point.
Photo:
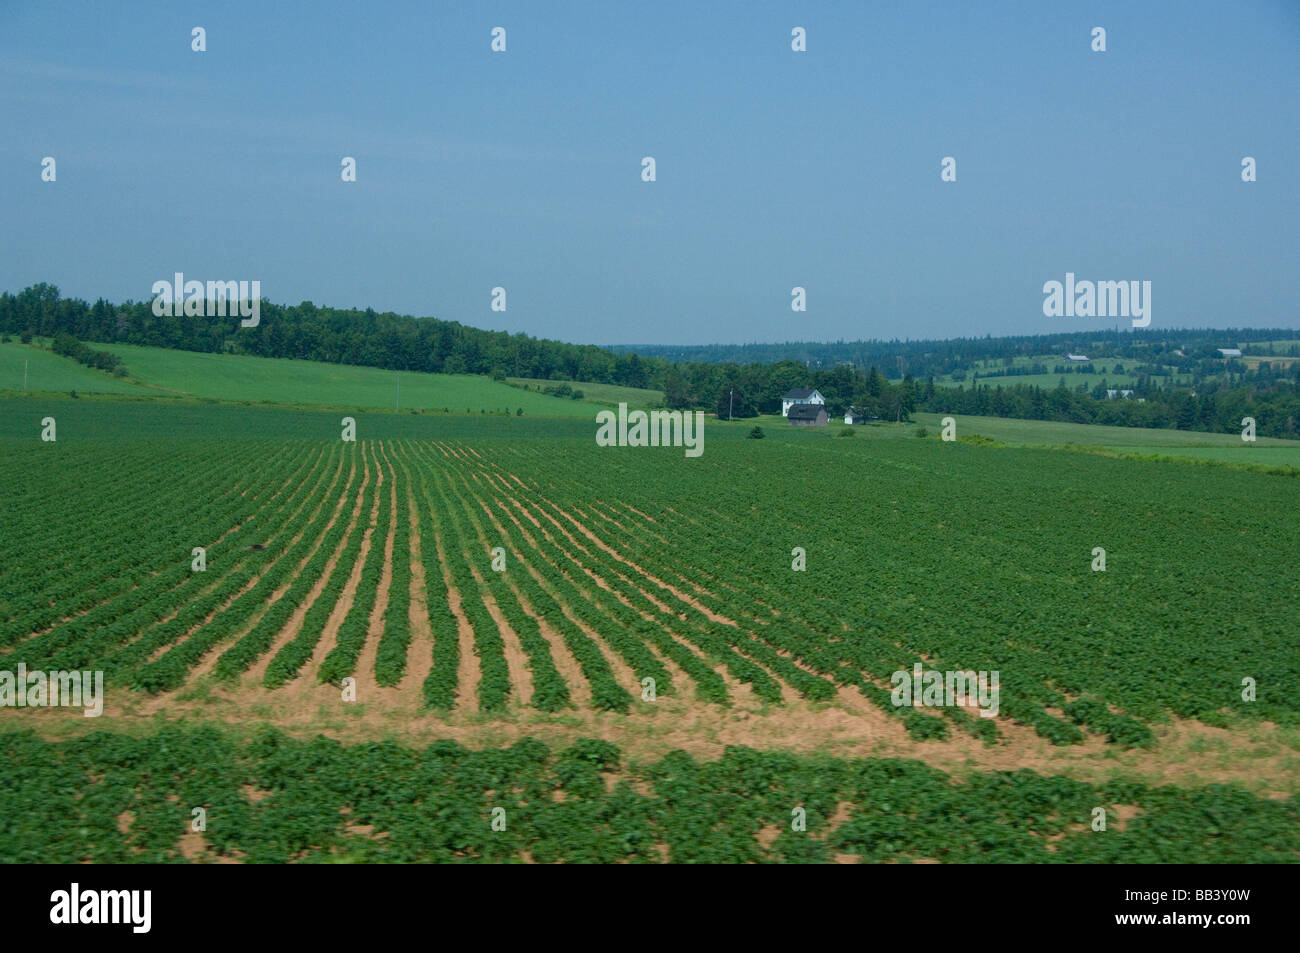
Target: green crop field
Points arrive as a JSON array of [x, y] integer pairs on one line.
[[600, 393], [274, 799], [46, 371], [231, 377], [1187, 442], [506, 581], [1118, 373]]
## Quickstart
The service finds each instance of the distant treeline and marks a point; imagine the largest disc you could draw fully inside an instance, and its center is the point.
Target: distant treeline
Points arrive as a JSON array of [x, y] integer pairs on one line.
[[1271, 398], [69, 346], [1220, 395], [1189, 350], [330, 335]]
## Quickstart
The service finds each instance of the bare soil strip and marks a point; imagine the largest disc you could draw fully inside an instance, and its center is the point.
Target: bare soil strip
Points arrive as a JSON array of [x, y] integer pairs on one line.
[[1256, 757], [419, 653]]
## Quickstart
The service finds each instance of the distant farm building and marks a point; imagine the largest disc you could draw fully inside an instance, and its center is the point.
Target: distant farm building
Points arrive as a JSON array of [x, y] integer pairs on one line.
[[800, 398], [1077, 358], [855, 416], [1228, 352], [1123, 394], [807, 415]]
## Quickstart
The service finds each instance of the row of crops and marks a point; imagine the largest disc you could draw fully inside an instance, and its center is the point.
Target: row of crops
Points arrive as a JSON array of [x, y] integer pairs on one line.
[[202, 795], [628, 567], [996, 576]]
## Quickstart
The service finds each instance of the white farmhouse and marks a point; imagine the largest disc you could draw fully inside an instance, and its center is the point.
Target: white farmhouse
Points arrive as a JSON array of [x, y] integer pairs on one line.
[[797, 397]]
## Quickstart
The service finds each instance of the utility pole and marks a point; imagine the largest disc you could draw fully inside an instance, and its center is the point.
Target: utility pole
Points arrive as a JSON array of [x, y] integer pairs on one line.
[[730, 402], [25, 375], [398, 404]]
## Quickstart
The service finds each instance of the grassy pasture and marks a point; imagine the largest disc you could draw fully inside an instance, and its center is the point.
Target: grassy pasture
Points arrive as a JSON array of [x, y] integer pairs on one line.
[[49, 372], [230, 377], [1120, 373], [1052, 433], [611, 394]]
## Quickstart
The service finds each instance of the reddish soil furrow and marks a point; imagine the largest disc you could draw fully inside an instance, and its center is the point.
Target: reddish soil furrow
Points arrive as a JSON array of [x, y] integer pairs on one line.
[[644, 516], [306, 683], [623, 673], [739, 691], [575, 544], [497, 482], [419, 652], [606, 512], [565, 662], [292, 480], [787, 692], [521, 677], [257, 578], [367, 687], [210, 658], [469, 672], [291, 628], [610, 551]]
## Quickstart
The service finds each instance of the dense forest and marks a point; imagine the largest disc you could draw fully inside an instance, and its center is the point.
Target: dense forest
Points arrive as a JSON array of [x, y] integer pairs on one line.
[[888, 379]]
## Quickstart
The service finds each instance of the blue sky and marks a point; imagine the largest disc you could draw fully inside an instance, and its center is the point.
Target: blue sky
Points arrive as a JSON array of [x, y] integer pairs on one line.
[[775, 168]]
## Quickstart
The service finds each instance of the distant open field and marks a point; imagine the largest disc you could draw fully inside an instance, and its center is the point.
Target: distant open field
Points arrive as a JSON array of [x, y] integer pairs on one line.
[[601, 393], [1253, 361], [1210, 446], [1119, 373], [262, 379], [47, 371]]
